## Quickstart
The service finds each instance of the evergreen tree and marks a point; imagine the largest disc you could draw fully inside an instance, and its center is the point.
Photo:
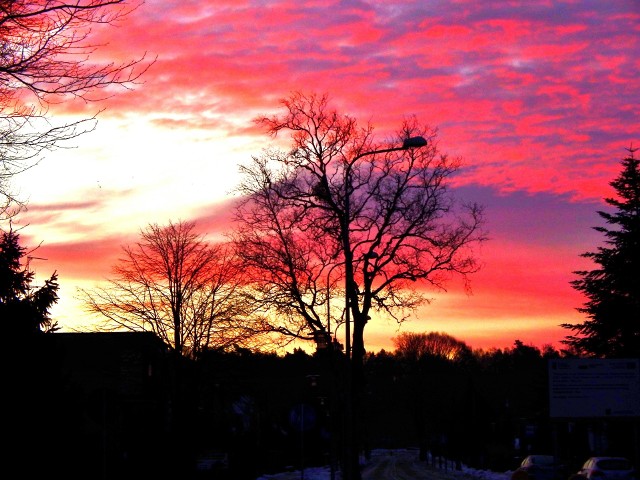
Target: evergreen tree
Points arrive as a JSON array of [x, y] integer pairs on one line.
[[613, 289], [24, 309]]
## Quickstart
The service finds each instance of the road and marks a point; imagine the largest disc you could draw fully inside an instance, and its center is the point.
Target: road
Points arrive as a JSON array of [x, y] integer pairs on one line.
[[394, 465], [404, 465]]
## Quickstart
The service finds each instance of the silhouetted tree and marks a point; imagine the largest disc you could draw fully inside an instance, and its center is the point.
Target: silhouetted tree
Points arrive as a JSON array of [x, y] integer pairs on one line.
[[613, 288], [436, 367], [341, 206], [46, 49], [416, 345], [24, 308], [30, 380], [179, 286]]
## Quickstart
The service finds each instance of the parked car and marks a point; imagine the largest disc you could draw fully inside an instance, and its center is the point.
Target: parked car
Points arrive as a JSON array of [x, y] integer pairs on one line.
[[538, 467], [607, 468], [212, 464]]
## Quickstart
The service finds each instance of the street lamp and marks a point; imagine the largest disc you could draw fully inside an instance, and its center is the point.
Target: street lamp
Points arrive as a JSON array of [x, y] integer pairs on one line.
[[408, 143]]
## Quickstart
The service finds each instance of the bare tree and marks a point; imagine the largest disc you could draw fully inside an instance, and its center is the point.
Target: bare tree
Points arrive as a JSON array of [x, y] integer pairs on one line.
[[174, 283], [289, 269], [341, 205], [45, 52]]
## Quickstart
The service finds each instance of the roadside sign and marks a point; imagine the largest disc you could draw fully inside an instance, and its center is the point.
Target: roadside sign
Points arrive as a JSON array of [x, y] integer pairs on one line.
[[590, 388]]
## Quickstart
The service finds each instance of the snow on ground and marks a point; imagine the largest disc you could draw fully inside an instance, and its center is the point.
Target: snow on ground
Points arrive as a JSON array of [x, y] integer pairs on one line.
[[324, 473]]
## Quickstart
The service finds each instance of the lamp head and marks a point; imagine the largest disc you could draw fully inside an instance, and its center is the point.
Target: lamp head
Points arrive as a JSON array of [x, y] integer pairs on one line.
[[414, 142]]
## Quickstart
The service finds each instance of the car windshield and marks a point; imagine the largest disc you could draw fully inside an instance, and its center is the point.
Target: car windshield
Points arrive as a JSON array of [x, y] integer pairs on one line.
[[542, 460], [614, 464]]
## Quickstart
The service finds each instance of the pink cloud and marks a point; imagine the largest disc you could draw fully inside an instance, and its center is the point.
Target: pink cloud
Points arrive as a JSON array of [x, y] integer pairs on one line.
[[89, 259]]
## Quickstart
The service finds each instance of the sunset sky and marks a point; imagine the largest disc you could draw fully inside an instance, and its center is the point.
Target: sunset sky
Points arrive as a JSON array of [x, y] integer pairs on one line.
[[539, 98]]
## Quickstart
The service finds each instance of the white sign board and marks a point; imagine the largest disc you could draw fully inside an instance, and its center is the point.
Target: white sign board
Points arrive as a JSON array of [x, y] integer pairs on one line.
[[586, 388]]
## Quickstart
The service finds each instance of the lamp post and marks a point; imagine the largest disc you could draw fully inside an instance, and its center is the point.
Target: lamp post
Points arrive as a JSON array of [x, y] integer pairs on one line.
[[329, 296], [332, 353], [408, 143], [350, 462]]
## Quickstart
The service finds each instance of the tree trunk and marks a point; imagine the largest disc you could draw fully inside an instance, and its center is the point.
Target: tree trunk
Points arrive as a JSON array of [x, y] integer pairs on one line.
[[356, 396]]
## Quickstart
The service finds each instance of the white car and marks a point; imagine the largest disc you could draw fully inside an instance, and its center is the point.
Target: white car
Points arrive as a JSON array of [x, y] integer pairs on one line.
[[608, 468]]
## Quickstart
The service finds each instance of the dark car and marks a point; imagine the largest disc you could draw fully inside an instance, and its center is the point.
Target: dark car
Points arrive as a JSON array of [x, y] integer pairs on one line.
[[212, 464], [606, 468], [538, 467]]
